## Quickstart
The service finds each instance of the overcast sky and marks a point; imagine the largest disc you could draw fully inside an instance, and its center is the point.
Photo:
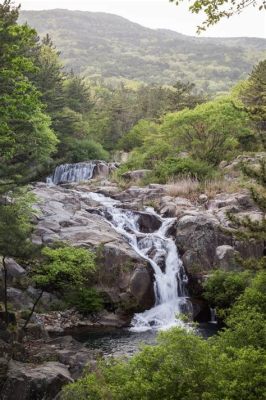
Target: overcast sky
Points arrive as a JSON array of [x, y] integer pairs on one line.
[[161, 14]]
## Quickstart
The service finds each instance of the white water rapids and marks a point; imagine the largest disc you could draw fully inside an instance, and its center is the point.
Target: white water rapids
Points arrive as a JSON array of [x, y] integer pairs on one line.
[[158, 249]]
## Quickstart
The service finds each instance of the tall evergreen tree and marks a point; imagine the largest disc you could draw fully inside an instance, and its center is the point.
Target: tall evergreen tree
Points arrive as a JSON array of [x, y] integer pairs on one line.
[[254, 98], [26, 140], [15, 228]]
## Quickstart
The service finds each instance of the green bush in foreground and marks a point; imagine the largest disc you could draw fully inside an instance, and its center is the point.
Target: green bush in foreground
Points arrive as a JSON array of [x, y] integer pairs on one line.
[[222, 289], [183, 366]]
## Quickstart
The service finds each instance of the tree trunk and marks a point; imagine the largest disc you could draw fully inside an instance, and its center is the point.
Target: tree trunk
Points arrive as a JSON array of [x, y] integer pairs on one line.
[[5, 290], [32, 310]]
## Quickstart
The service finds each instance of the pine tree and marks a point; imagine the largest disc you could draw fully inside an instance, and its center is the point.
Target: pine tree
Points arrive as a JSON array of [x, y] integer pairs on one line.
[[15, 228], [254, 98], [26, 140]]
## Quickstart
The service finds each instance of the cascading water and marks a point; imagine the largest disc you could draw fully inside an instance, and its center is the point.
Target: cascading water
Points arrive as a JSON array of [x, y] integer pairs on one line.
[[158, 249], [72, 173]]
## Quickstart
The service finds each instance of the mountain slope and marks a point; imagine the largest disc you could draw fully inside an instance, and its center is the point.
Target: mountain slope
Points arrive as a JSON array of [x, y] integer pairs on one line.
[[113, 47]]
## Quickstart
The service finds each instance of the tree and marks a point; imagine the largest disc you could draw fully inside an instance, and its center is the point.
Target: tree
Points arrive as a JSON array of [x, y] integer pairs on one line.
[[49, 76], [210, 132], [15, 228], [254, 98], [216, 10], [26, 140], [68, 270], [77, 94], [222, 289]]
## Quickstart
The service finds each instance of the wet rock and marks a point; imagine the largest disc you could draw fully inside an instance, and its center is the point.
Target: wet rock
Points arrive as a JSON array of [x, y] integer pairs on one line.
[[148, 222], [141, 288]]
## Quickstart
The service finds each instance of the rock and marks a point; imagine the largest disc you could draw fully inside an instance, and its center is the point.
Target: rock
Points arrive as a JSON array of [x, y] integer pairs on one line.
[[3, 369], [101, 170], [14, 270], [197, 237], [19, 298], [148, 222], [34, 382], [203, 198], [141, 288], [226, 257], [136, 175]]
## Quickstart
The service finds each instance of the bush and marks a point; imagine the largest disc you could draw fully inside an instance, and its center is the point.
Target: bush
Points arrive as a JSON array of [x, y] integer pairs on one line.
[[181, 367], [85, 300], [63, 266], [84, 150], [182, 167], [222, 289]]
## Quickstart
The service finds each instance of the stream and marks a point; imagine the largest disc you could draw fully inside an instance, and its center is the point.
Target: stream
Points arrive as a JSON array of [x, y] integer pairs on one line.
[[159, 250]]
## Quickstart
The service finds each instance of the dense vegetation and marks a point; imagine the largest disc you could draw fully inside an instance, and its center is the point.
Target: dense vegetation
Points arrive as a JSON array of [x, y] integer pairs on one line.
[[184, 366], [104, 46]]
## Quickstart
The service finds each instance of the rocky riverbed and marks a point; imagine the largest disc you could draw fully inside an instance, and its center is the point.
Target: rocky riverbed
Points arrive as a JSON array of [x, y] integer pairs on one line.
[[38, 365]]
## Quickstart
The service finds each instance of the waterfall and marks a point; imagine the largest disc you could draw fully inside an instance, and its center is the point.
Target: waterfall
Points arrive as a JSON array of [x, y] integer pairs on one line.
[[157, 248], [72, 173], [213, 316]]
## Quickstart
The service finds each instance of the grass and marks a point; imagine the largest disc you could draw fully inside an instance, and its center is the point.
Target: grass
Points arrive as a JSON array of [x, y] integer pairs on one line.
[[191, 188]]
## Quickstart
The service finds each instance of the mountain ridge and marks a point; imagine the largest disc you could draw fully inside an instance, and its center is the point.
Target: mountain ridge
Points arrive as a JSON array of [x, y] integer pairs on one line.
[[112, 47]]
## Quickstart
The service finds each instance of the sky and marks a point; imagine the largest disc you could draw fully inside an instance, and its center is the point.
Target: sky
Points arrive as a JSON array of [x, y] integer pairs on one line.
[[162, 14]]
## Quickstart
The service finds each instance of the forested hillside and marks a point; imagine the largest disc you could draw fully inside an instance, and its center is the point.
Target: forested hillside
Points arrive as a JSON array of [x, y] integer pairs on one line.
[[109, 46]]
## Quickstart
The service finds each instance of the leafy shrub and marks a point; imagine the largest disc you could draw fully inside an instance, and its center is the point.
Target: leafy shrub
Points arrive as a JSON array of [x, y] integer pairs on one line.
[[182, 366], [222, 289], [65, 265], [85, 300], [246, 320], [85, 149], [210, 132], [181, 167]]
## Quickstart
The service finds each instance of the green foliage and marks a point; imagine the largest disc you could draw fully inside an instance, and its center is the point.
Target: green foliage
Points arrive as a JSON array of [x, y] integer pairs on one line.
[[16, 215], [65, 265], [85, 300], [49, 77], [210, 132], [222, 289], [181, 367], [84, 150], [172, 168], [253, 96], [136, 136], [26, 140], [77, 94], [246, 320]]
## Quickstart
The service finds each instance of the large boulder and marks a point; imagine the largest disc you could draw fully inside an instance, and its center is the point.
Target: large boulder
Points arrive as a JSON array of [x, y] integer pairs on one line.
[[197, 237], [34, 382], [74, 216]]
